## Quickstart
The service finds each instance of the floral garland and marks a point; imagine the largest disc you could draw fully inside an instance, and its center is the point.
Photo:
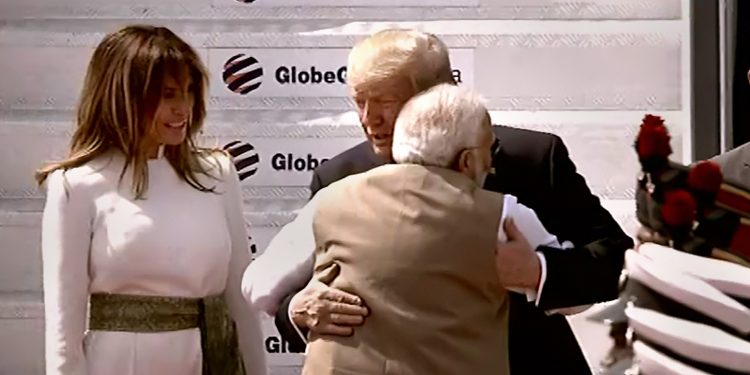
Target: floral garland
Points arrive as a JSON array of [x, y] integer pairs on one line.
[[693, 206]]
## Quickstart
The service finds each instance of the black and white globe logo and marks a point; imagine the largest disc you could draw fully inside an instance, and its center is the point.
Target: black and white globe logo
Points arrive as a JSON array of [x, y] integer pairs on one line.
[[244, 157], [242, 74]]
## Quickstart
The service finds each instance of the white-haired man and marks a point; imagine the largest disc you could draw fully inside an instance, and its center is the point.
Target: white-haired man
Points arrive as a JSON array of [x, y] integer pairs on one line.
[[389, 236], [384, 71]]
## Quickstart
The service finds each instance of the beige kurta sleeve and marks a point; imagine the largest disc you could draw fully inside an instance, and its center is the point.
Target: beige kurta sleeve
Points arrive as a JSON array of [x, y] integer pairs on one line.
[[246, 318], [66, 241]]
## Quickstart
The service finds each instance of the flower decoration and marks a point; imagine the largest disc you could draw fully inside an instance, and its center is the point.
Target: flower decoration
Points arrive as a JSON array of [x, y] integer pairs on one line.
[[679, 209], [705, 176], [652, 143]]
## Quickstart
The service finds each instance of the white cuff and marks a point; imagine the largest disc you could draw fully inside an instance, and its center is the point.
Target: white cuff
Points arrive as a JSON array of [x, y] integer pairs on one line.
[[289, 315], [568, 310], [536, 295]]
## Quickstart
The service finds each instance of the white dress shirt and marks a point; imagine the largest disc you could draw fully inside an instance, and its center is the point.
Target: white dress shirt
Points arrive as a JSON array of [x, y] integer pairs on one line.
[[287, 263]]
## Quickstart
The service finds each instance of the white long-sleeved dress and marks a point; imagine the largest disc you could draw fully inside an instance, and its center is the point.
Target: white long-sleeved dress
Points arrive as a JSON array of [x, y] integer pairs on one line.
[[177, 242]]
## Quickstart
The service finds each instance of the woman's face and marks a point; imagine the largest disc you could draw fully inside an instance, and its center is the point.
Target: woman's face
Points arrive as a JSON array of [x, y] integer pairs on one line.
[[169, 124]]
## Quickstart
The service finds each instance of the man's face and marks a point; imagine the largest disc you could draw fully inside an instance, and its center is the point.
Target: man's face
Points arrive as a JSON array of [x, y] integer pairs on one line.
[[378, 107]]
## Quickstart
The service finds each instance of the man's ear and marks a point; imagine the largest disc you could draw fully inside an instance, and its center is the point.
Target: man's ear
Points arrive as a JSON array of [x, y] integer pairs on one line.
[[464, 161]]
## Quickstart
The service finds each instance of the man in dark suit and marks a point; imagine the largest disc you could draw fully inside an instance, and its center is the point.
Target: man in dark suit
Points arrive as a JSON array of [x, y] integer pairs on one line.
[[384, 71]]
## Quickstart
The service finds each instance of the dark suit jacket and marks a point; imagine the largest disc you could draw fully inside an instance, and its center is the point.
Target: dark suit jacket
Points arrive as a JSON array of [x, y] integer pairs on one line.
[[536, 168]]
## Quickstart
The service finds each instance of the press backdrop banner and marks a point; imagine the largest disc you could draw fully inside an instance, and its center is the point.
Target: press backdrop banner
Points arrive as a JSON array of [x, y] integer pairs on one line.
[[301, 72]]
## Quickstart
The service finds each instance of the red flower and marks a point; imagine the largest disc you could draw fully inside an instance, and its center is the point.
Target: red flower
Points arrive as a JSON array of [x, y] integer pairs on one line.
[[678, 209], [705, 176], [651, 120], [653, 139]]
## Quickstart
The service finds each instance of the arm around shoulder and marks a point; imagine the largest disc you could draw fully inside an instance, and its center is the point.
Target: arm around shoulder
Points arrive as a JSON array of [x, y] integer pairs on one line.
[[298, 277], [284, 268], [286, 265]]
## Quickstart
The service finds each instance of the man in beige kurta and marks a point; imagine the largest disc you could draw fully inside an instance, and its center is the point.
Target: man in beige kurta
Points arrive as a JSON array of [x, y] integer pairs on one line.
[[417, 244], [416, 241]]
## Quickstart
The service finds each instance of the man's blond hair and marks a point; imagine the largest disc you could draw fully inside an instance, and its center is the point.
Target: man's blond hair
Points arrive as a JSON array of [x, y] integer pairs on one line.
[[399, 53]]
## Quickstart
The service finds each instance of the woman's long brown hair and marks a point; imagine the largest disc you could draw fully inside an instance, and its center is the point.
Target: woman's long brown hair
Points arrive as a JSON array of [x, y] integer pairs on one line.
[[121, 92]]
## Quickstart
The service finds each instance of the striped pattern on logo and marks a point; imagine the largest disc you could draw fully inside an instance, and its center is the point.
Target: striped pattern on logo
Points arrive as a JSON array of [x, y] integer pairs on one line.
[[245, 158], [242, 74]]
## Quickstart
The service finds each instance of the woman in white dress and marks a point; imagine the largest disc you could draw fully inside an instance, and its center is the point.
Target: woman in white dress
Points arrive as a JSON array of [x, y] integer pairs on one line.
[[143, 227]]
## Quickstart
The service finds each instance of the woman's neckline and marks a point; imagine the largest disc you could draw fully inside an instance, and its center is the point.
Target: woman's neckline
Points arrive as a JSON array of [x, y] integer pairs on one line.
[[159, 154]]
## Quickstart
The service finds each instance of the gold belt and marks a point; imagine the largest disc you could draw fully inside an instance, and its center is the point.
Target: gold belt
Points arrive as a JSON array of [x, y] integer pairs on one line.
[[131, 313]]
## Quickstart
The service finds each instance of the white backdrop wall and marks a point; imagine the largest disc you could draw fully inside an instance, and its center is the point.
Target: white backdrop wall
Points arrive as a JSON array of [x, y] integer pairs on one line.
[[586, 71]]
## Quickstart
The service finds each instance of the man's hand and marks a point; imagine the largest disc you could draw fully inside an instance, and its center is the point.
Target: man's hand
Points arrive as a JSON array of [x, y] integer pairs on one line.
[[327, 311], [517, 263]]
